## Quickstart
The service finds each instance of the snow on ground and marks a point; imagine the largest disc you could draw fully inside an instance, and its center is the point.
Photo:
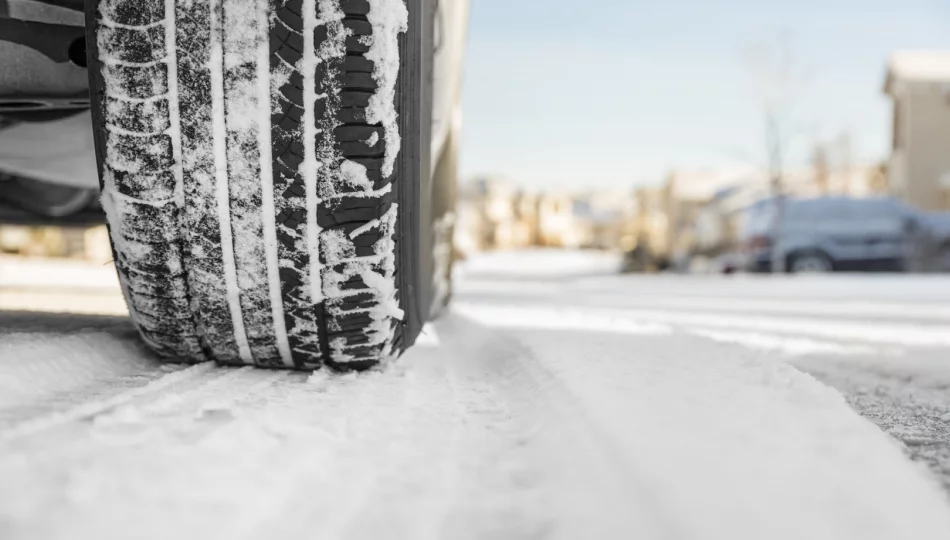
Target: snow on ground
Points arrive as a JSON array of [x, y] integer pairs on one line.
[[540, 264], [545, 405], [84, 351], [908, 398], [59, 286], [41, 273]]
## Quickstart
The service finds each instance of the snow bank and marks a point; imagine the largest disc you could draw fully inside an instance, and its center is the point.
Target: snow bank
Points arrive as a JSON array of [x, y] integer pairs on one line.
[[38, 366], [555, 422], [57, 273], [876, 333], [497, 434], [60, 285], [722, 442]]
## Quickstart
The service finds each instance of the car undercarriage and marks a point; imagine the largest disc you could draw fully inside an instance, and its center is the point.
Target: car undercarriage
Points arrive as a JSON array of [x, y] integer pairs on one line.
[[44, 99]]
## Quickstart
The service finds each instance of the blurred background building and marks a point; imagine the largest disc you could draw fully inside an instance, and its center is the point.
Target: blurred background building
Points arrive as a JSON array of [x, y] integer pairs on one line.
[[494, 214], [697, 219], [90, 243], [919, 168]]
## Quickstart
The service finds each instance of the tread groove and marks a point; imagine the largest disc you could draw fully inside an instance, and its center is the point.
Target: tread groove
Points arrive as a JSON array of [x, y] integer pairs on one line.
[[287, 142]]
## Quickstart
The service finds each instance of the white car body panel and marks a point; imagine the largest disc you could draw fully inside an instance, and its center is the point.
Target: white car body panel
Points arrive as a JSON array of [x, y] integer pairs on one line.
[[450, 36]]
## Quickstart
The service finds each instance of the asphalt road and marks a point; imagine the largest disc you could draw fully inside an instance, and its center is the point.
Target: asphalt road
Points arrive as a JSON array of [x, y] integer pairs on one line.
[[555, 400]]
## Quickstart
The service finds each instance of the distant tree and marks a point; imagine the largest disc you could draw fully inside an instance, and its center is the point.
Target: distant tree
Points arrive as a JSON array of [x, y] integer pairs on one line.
[[778, 82]]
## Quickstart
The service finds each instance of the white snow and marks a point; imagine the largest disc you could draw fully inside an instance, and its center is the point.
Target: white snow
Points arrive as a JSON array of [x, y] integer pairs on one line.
[[377, 273], [48, 273], [62, 301], [518, 416], [106, 21], [34, 365], [428, 337], [787, 345], [355, 174], [852, 308], [916, 334], [60, 286], [554, 318], [320, 379], [732, 444], [90, 408], [389, 18], [372, 224], [542, 263]]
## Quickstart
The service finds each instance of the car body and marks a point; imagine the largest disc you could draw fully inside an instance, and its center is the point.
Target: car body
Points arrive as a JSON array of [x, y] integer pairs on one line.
[[833, 234]]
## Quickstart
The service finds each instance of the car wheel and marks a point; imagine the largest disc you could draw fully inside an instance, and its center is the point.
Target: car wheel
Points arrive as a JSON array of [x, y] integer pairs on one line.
[[260, 163], [811, 262]]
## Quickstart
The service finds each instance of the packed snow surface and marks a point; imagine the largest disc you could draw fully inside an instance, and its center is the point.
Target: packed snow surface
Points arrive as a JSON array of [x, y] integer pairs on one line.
[[569, 406]]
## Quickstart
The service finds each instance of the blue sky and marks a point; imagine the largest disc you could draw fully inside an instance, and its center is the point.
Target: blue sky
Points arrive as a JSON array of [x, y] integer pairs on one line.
[[574, 93]]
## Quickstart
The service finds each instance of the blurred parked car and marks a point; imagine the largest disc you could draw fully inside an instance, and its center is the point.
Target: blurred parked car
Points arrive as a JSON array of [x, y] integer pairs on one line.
[[828, 234], [936, 252]]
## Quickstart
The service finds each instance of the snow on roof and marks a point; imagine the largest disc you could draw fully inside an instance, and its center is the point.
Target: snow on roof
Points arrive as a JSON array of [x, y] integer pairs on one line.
[[921, 66]]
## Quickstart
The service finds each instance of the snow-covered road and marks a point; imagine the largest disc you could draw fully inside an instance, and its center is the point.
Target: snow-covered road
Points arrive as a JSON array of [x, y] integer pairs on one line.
[[556, 400]]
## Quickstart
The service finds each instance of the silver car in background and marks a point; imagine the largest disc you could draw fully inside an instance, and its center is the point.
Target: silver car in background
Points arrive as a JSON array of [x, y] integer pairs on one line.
[[826, 234]]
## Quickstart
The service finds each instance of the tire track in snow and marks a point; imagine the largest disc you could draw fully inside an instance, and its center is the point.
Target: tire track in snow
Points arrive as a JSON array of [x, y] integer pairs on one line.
[[216, 385], [94, 407], [486, 434], [495, 452], [745, 446], [459, 441], [41, 372], [220, 392], [543, 468], [361, 415]]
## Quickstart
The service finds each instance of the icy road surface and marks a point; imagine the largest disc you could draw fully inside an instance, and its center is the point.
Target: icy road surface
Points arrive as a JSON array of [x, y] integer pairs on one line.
[[555, 401]]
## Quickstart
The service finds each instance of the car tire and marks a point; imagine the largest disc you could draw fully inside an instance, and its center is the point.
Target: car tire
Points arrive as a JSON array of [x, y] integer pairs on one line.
[[247, 227], [809, 262]]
